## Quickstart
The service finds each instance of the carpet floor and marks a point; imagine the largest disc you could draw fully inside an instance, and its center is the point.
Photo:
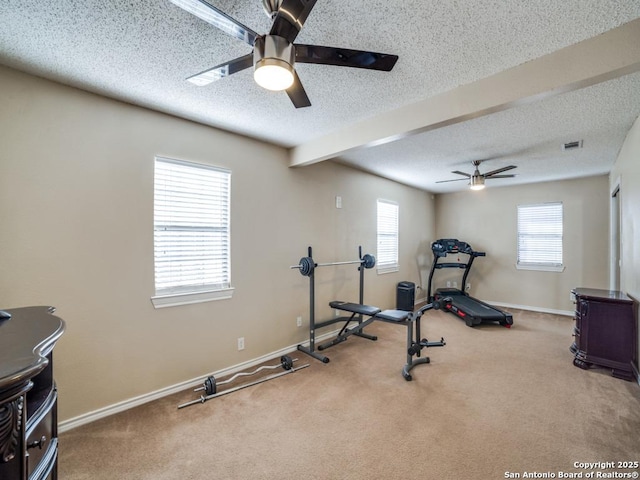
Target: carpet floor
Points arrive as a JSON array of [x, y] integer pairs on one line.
[[493, 403]]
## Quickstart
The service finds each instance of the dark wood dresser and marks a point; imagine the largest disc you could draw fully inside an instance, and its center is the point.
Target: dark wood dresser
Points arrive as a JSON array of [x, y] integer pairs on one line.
[[28, 396], [605, 331]]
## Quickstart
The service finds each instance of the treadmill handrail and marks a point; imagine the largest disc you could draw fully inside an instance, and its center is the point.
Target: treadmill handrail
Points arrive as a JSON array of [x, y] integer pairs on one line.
[[451, 265]]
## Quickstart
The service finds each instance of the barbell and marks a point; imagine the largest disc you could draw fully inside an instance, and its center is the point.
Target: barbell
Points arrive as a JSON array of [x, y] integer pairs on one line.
[[203, 398], [211, 384], [307, 265]]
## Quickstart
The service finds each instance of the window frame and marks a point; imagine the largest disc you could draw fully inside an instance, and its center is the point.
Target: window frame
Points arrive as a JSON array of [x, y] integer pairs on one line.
[[382, 265], [546, 266], [203, 292]]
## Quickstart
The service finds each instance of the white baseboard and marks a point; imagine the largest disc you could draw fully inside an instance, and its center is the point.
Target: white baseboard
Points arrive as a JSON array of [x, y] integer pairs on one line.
[[636, 372], [567, 313], [89, 417], [418, 301], [519, 307]]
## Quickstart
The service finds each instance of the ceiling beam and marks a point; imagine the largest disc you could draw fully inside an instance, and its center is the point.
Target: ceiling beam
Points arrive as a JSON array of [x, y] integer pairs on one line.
[[607, 56]]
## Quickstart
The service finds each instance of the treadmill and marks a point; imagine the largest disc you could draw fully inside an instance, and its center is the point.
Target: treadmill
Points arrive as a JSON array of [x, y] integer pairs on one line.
[[471, 310]]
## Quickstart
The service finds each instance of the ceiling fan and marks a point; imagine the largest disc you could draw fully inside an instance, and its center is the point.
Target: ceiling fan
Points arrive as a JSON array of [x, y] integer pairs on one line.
[[274, 54], [476, 180]]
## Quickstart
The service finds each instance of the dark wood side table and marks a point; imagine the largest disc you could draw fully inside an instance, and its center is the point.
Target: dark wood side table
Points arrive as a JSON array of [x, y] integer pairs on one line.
[[605, 331], [28, 395]]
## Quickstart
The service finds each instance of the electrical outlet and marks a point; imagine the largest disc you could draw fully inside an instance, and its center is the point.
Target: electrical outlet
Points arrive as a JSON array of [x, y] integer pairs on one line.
[[448, 284], [240, 343], [299, 321], [336, 313], [455, 284]]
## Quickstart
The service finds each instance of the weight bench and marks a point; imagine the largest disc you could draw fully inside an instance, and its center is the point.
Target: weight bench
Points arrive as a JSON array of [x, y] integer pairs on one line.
[[357, 311], [397, 317]]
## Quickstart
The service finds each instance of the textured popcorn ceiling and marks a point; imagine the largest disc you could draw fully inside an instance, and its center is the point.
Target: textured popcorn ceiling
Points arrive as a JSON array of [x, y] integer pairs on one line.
[[141, 51]]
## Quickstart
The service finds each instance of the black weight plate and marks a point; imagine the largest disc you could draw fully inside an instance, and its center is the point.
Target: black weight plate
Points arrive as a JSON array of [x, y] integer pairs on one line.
[[369, 261], [210, 385], [287, 362], [307, 265]]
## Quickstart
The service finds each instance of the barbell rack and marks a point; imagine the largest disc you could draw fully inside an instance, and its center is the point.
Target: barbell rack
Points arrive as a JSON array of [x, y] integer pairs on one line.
[[307, 268]]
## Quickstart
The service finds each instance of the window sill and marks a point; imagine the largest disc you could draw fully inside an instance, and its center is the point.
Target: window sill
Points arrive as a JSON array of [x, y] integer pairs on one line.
[[382, 269], [174, 300], [541, 268]]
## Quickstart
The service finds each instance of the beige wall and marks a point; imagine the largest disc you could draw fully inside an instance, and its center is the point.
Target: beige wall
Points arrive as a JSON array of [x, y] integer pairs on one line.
[[487, 221], [626, 175], [76, 203]]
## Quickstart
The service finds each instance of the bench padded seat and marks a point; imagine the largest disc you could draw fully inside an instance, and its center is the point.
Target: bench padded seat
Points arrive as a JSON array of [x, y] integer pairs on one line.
[[355, 308], [396, 316]]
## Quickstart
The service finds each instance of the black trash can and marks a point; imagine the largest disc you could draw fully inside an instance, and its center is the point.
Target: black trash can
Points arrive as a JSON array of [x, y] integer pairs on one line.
[[405, 296]]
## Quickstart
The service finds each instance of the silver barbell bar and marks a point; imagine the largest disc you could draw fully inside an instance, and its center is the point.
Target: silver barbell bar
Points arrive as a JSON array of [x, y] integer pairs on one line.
[[350, 262], [285, 362], [307, 264], [204, 398]]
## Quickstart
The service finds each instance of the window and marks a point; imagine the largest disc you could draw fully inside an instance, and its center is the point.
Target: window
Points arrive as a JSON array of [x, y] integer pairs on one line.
[[540, 237], [387, 237], [190, 233]]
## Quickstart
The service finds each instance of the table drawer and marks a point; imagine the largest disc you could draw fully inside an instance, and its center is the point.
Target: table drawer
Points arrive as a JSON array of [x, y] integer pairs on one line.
[[40, 434]]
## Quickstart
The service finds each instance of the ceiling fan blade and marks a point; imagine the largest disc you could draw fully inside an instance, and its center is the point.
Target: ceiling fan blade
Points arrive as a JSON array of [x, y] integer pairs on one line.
[[218, 19], [462, 173], [499, 170], [499, 176], [291, 16], [343, 57], [454, 180], [297, 94], [222, 70]]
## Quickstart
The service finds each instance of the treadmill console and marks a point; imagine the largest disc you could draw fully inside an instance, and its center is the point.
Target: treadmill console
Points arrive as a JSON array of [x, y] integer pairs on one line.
[[445, 246]]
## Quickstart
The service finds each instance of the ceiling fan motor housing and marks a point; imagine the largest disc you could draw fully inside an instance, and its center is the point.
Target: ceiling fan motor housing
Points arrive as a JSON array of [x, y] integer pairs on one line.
[[271, 7], [476, 180]]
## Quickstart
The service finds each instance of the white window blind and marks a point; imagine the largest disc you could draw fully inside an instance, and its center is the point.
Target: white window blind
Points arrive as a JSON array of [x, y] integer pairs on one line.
[[540, 235], [387, 259], [191, 227]]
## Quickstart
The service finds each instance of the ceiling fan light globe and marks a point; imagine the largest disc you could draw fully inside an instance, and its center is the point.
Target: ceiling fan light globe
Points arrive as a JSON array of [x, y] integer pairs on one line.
[[476, 182], [273, 60], [273, 74]]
